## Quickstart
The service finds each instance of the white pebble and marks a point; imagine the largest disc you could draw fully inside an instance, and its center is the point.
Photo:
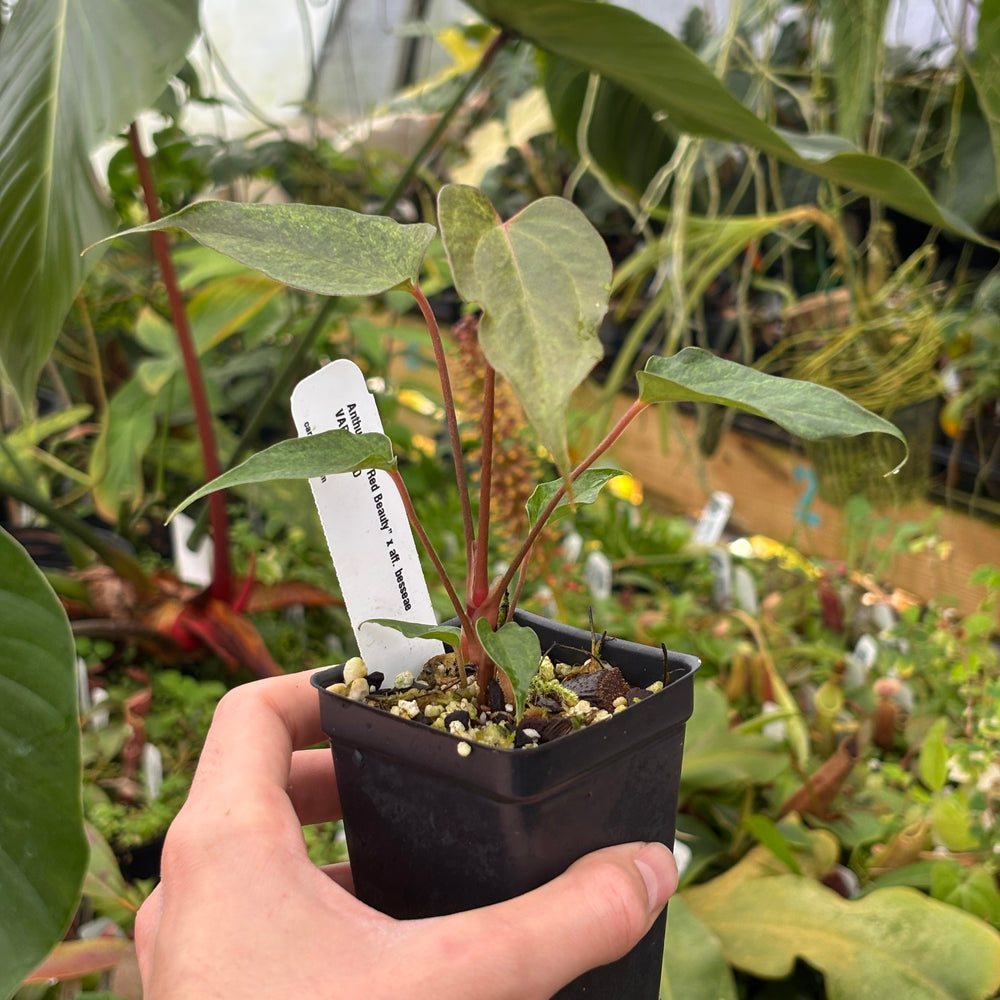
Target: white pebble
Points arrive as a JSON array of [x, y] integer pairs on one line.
[[404, 679], [464, 749], [337, 689], [358, 690], [354, 668], [409, 708]]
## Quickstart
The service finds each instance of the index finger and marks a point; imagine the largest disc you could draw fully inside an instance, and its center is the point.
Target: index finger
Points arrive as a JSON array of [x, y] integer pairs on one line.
[[255, 728]]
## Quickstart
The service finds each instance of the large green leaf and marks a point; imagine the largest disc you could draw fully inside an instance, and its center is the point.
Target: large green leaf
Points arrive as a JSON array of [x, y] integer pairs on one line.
[[805, 409], [543, 279], [624, 137], [332, 251], [325, 454], [717, 757], [655, 66], [694, 967], [43, 851], [72, 73], [892, 943]]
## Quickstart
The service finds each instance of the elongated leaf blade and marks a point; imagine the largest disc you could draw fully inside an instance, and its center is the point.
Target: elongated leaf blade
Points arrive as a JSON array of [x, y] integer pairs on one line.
[[449, 634], [43, 850], [543, 279], [586, 489], [984, 72], [332, 251], [72, 73], [326, 454], [516, 651], [657, 67], [805, 409]]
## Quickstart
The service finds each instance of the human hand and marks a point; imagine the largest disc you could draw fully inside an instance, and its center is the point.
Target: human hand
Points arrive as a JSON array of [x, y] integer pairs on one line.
[[241, 911]]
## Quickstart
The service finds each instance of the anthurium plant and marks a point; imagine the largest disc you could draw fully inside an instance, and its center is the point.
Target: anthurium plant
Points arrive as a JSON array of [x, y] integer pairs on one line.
[[540, 282]]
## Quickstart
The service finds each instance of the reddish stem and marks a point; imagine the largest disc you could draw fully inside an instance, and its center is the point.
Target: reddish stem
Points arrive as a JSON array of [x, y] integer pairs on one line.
[[479, 580], [222, 573], [418, 528], [451, 416], [609, 439]]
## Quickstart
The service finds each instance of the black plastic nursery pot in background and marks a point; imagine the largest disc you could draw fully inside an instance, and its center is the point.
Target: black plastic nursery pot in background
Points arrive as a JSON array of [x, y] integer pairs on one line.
[[431, 832]]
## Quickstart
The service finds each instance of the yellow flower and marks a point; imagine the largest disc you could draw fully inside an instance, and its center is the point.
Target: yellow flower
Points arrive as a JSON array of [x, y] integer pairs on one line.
[[627, 488]]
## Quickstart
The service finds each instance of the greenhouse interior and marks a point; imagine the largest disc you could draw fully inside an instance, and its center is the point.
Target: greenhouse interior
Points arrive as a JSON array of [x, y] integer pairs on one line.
[[500, 499]]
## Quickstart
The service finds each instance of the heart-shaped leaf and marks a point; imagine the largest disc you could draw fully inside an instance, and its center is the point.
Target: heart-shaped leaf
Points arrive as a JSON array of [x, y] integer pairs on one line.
[[586, 489], [72, 74], [326, 454], [516, 651], [43, 850], [449, 634], [543, 280], [332, 251], [805, 409]]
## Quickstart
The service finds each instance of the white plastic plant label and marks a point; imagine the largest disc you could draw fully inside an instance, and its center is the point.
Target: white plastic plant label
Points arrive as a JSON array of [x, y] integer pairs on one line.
[[194, 567], [366, 528], [713, 520]]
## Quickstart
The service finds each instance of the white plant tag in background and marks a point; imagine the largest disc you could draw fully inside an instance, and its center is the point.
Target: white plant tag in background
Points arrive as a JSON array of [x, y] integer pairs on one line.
[[366, 528], [192, 567], [713, 520]]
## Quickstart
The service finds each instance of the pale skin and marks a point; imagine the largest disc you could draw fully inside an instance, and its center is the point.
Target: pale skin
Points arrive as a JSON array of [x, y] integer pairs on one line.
[[241, 911]]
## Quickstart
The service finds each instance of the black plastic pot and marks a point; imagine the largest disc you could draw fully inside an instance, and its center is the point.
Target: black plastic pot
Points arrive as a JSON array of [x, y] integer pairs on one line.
[[430, 832]]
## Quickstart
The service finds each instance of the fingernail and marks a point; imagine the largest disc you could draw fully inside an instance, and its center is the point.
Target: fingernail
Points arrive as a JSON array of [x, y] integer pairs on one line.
[[656, 866]]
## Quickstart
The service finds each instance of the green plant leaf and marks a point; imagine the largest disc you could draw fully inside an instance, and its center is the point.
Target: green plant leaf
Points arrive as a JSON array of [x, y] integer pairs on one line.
[[802, 408], [72, 74], [326, 454], [655, 66], [717, 757], [984, 71], [516, 651], [971, 889], [43, 851], [891, 943], [933, 763], [770, 836], [449, 634], [586, 489], [332, 251], [694, 967], [543, 279], [858, 37]]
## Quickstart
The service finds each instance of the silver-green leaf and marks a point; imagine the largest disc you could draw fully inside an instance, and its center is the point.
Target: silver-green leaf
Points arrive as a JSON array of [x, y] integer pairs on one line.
[[332, 251], [805, 409], [543, 280], [449, 634], [586, 489], [325, 454]]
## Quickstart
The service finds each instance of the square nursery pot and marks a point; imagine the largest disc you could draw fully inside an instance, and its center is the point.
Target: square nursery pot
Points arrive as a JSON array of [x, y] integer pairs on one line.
[[430, 832]]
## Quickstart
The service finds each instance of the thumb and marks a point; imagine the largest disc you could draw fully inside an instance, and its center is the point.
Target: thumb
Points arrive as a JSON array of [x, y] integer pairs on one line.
[[592, 914]]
